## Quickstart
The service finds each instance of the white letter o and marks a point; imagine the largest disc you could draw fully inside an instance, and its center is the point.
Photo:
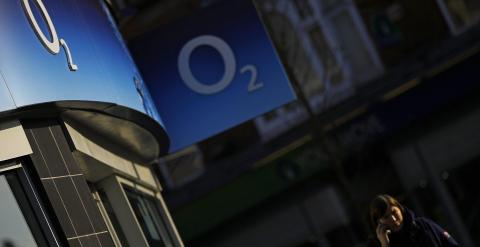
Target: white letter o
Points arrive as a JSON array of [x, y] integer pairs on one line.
[[52, 46], [186, 73]]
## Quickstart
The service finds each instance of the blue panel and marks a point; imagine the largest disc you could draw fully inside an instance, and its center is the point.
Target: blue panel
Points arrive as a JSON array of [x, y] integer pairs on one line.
[[191, 114], [35, 74]]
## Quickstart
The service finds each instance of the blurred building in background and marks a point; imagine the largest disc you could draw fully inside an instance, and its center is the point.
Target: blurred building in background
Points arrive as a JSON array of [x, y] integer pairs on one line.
[[389, 87]]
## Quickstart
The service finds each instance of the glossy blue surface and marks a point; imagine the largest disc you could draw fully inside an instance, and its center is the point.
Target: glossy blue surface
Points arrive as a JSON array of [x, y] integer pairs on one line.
[[190, 116], [31, 74]]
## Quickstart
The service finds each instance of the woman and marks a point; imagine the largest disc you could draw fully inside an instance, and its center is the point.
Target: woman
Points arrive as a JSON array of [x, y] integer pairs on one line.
[[396, 225]]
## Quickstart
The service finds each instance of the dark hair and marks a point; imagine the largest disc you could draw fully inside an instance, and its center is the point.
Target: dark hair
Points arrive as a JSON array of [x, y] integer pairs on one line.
[[379, 206]]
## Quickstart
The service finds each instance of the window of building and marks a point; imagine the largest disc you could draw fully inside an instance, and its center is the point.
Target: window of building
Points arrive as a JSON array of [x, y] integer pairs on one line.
[[135, 214], [14, 230], [184, 166], [147, 214], [304, 8], [23, 221], [460, 14], [348, 40], [110, 218], [330, 64]]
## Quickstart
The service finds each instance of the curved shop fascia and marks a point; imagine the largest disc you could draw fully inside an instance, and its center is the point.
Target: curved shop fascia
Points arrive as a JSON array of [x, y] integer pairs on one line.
[[65, 58]]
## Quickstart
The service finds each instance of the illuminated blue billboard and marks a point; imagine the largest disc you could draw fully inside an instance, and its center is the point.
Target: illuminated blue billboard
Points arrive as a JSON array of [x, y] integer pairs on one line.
[[211, 71], [68, 50]]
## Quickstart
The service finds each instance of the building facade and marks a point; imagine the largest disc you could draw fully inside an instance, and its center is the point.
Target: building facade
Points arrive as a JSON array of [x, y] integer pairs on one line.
[[78, 132]]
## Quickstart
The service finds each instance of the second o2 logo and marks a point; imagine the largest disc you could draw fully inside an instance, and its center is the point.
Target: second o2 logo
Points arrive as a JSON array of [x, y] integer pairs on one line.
[[53, 46], [229, 61]]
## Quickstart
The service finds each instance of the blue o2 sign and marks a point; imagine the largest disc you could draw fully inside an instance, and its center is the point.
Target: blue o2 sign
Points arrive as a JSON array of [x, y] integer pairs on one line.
[[211, 71], [228, 58]]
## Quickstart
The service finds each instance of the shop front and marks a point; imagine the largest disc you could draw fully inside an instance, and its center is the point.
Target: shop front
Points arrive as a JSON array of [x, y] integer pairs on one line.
[[78, 132]]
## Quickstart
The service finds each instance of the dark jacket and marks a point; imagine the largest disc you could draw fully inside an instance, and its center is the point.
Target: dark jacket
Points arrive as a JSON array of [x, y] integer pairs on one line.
[[420, 232]]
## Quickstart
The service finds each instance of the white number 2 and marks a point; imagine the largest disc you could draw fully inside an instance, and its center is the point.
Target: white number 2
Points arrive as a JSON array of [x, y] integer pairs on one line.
[[229, 61], [253, 84]]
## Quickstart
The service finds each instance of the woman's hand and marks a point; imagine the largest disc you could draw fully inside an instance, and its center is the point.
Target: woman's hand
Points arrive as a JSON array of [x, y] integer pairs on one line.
[[382, 235]]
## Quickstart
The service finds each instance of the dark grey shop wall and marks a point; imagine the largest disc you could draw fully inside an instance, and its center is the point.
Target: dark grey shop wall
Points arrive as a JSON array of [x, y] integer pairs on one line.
[[65, 185]]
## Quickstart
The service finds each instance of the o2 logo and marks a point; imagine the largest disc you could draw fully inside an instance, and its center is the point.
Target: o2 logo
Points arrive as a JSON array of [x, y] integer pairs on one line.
[[53, 46], [228, 59]]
